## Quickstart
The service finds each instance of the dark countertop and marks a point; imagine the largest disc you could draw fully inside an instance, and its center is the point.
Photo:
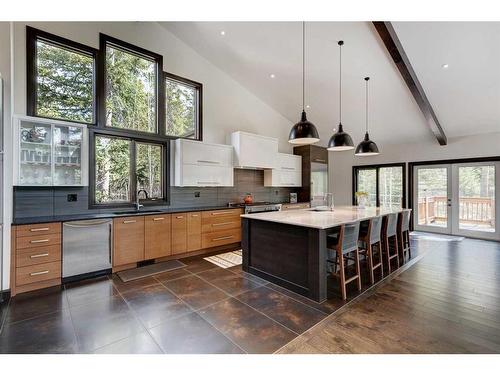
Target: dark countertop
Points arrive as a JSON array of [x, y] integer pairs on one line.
[[110, 215]]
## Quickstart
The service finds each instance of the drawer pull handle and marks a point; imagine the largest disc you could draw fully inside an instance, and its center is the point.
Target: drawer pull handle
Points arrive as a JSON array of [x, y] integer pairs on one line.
[[194, 215], [222, 238], [39, 255], [179, 217], [220, 213], [320, 160], [158, 218], [288, 168], [129, 221], [208, 161], [38, 273], [39, 229], [39, 241], [220, 224]]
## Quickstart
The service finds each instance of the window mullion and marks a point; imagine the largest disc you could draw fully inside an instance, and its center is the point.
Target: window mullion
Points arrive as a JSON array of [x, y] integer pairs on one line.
[[133, 171]]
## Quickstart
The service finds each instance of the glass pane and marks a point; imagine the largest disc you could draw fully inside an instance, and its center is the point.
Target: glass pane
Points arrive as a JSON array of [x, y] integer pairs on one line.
[[319, 183], [432, 193], [476, 198], [35, 154], [130, 91], [112, 170], [65, 83], [68, 155], [182, 105], [367, 183], [391, 187], [149, 168]]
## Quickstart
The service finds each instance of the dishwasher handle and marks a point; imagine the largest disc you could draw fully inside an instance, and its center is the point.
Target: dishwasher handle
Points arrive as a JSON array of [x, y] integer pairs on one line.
[[86, 223]]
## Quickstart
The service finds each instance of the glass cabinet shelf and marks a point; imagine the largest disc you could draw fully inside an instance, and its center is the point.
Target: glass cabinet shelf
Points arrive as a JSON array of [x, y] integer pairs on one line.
[[50, 153]]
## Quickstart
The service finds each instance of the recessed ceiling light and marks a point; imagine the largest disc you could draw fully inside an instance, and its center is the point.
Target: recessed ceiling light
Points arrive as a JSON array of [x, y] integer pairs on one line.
[[222, 33], [445, 66], [272, 76], [308, 106]]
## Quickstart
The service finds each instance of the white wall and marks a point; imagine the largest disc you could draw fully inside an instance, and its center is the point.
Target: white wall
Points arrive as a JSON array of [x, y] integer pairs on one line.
[[341, 163], [227, 106]]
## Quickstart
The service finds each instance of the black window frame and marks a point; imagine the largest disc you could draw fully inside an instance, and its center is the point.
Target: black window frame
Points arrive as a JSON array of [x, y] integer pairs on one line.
[[199, 110], [377, 167], [32, 36], [105, 40], [165, 201]]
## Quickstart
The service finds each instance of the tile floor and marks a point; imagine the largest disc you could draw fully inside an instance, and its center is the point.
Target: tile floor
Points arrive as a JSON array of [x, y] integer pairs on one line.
[[201, 308]]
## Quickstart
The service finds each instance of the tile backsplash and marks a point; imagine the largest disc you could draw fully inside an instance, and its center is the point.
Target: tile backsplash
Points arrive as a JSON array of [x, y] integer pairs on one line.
[[34, 201]]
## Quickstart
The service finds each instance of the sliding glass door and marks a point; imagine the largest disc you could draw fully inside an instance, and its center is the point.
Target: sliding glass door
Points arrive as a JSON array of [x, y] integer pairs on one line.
[[459, 199], [384, 184]]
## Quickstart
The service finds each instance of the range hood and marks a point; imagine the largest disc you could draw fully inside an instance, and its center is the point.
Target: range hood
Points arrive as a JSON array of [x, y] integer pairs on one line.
[[253, 151]]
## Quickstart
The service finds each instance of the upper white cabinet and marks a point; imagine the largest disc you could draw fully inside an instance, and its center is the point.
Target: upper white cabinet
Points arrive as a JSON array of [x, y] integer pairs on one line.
[[50, 152], [202, 164], [288, 171], [254, 151]]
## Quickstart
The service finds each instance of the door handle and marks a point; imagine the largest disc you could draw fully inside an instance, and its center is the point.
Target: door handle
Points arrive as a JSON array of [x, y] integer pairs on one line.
[[129, 221], [158, 218]]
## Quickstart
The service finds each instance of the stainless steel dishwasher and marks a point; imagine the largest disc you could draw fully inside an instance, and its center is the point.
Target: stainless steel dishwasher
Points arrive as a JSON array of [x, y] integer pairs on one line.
[[87, 247]]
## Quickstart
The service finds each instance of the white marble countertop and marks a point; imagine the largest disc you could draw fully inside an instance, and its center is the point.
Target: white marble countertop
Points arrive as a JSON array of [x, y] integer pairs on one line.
[[321, 219]]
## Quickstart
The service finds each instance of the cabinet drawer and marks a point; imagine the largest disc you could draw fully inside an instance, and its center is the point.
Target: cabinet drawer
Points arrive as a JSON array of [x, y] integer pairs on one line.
[[37, 229], [38, 272], [38, 255], [221, 238], [209, 216], [38, 241], [218, 223]]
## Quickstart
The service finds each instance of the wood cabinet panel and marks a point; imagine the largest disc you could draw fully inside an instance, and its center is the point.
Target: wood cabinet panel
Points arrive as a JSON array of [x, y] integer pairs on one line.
[[179, 233], [193, 231], [38, 240], [221, 238], [157, 236], [38, 255], [38, 273], [38, 229], [209, 216], [217, 223], [128, 240]]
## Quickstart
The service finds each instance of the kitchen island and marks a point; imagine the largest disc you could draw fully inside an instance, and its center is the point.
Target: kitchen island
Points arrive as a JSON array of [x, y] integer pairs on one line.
[[288, 248]]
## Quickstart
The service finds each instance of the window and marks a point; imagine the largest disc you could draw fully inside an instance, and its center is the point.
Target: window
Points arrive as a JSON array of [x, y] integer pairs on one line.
[[183, 101], [125, 169], [385, 184], [61, 76], [131, 87]]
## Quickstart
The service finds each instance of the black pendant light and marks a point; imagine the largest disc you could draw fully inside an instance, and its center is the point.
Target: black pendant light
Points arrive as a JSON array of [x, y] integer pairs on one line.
[[340, 141], [367, 147], [304, 132]]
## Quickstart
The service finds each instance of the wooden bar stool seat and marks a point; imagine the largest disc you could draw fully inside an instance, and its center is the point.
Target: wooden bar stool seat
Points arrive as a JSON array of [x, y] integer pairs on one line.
[[404, 235], [344, 245], [389, 237], [370, 244]]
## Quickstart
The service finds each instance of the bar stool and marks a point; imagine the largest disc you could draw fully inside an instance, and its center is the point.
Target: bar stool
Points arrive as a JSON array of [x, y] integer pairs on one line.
[[404, 234], [344, 244], [369, 240], [389, 236]]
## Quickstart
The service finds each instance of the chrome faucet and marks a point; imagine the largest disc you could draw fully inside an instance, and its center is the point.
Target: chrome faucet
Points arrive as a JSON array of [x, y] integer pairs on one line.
[[137, 204]]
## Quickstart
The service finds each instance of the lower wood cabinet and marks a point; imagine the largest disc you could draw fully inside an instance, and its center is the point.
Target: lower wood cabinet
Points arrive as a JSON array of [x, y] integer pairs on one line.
[[157, 236], [179, 233], [193, 231], [128, 240], [219, 238]]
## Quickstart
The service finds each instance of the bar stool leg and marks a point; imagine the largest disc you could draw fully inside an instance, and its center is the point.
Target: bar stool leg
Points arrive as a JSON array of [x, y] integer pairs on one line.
[[379, 248], [407, 235], [387, 253], [340, 257], [401, 246], [358, 269], [396, 248], [369, 253]]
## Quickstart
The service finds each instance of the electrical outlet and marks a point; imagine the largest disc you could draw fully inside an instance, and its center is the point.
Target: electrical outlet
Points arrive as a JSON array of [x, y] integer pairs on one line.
[[276, 192], [72, 197], [196, 194]]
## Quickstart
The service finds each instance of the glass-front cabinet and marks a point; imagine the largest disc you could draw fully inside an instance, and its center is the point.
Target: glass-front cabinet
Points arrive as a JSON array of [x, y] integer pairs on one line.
[[50, 153]]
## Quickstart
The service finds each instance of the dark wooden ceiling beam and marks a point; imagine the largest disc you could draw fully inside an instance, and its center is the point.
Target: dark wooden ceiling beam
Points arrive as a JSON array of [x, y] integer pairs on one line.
[[393, 45]]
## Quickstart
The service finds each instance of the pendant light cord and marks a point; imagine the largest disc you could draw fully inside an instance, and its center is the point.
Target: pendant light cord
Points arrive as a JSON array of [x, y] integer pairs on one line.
[[340, 81], [303, 64], [366, 105]]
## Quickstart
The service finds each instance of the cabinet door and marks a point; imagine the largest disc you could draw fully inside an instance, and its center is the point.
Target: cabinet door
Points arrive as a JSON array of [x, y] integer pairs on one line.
[[193, 231], [289, 162], [68, 155], [194, 152], [128, 240], [179, 233], [158, 240], [206, 175]]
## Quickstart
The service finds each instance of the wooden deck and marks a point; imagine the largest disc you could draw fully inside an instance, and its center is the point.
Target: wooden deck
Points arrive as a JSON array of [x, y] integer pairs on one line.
[[448, 302]]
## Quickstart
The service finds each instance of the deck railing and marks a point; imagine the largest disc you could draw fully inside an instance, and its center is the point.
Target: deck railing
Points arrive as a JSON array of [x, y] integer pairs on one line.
[[471, 210]]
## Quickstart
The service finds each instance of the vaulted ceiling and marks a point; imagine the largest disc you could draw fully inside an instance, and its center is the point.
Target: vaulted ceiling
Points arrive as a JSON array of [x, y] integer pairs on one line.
[[465, 96]]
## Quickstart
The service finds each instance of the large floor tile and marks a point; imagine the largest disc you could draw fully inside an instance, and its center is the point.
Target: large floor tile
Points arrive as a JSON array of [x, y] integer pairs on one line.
[[292, 314], [172, 275], [88, 291], [154, 304], [251, 330], [195, 291], [230, 282], [141, 343], [103, 322], [51, 333], [196, 265], [36, 303], [190, 334], [123, 287]]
